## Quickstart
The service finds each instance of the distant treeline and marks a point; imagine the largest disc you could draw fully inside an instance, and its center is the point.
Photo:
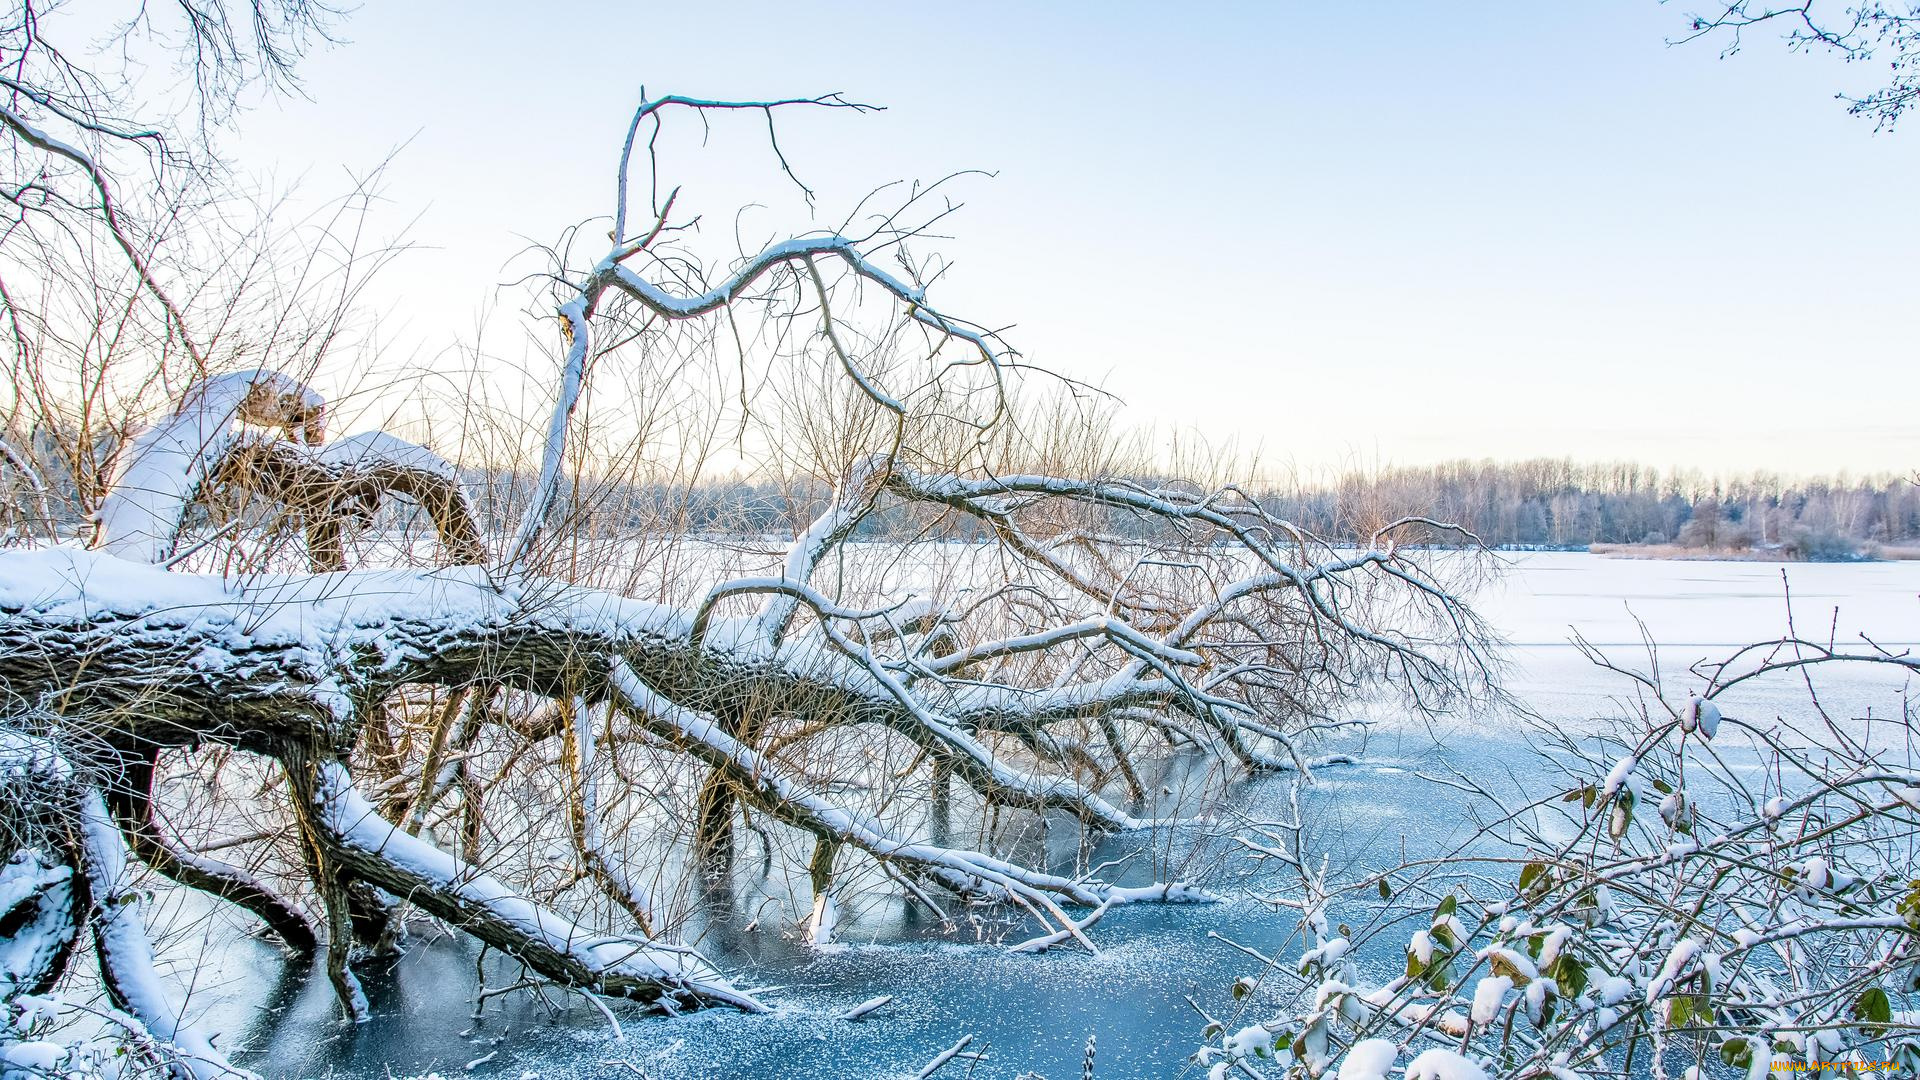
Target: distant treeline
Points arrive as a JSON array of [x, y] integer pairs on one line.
[[1560, 503]]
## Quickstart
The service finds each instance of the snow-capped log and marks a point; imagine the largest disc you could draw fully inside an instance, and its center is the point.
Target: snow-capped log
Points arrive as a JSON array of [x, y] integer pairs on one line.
[[328, 487], [287, 665], [165, 468], [275, 660], [201, 450]]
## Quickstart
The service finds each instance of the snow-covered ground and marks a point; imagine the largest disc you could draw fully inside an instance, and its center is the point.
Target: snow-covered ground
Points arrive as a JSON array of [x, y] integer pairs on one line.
[[1545, 595], [1036, 1012]]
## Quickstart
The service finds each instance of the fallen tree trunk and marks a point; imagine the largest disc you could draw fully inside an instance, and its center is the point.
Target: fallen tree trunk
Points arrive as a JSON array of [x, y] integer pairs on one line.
[[287, 666], [286, 661]]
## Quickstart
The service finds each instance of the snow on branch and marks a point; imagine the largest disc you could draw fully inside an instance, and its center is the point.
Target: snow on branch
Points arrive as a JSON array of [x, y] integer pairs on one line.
[[482, 906], [581, 303]]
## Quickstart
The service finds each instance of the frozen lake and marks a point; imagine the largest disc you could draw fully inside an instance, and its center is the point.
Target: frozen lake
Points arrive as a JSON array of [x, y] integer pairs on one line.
[[1036, 1012]]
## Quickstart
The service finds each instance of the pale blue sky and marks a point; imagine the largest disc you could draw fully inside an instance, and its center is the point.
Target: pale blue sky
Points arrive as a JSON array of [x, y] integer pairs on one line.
[[1381, 232]]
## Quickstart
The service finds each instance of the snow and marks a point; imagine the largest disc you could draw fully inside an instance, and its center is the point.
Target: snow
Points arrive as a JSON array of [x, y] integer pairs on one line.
[[161, 470], [1488, 995], [867, 1007], [1700, 715], [1249, 1042], [1816, 873], [1676, 963], [125, 949], [28, 949], [34, 1056], [1536, 994], [34, 1009], [24, 756], [1439, 1064], [553, 453], [1621, 771], [1512, 958], [1614, 989], [1556, 939], [376, 448], [1368, 1059], [1693, 604], [824, 921], [1325, 955], [318, 611], [1341, 995]]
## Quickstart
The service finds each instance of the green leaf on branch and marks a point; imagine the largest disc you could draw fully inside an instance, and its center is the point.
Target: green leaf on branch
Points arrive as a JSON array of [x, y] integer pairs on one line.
[[1873, 1007], [1909, 906], [1532, 874], [1569, 975]]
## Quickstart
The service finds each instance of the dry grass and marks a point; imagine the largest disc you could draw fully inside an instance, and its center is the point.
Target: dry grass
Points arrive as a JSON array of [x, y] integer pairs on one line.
[[1677, 551]]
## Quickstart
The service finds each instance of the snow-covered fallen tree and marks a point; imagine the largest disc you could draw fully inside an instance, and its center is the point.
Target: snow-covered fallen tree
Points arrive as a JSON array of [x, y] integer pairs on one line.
[[1702, 894], [537, 744], [128, 660]]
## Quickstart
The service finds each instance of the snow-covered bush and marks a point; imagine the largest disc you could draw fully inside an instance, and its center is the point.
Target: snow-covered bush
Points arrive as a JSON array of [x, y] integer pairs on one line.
[[1699, 891]]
